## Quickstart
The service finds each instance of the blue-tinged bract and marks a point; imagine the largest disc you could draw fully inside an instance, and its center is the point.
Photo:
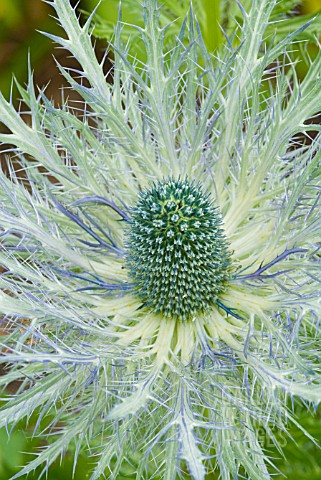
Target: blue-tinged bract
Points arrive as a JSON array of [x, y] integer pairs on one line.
[[160, 247]]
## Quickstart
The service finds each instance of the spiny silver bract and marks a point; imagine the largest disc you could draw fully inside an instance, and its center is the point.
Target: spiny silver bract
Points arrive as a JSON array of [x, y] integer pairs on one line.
[[157, 398], [177, 251]]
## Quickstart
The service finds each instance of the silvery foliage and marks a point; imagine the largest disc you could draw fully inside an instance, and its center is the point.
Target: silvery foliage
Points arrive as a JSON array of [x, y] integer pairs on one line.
[[150, 397]]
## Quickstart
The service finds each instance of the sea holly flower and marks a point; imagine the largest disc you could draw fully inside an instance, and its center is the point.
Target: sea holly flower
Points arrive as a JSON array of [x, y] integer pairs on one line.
[[160, 253]]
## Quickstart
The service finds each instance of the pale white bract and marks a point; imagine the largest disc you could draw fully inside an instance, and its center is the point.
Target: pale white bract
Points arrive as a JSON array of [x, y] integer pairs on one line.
[[149, 396]]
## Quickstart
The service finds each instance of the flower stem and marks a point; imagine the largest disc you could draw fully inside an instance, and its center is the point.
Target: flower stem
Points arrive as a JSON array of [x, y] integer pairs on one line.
[[212, 30]]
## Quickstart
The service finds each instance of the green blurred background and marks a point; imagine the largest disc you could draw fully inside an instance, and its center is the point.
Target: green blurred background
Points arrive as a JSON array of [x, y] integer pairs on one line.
[[19, 20]]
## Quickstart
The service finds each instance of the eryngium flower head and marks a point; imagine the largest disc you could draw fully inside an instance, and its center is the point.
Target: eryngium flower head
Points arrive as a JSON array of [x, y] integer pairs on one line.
[[160, 391], [177, 252]]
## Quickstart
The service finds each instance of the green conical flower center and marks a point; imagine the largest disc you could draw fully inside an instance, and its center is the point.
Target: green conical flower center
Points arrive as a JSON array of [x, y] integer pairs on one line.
[[177, 252]]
